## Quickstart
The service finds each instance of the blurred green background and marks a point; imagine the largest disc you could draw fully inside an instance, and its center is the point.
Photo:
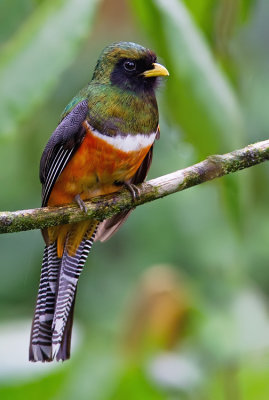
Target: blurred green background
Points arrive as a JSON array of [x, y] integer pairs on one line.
[[175, 306]]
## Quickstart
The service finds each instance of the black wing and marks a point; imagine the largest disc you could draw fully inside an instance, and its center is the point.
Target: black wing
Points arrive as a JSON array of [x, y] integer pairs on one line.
[[143, 170], [60, 148]]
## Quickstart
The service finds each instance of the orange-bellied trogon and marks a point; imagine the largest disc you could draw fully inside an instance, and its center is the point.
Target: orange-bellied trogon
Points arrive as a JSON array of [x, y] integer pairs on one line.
[[104, 141]]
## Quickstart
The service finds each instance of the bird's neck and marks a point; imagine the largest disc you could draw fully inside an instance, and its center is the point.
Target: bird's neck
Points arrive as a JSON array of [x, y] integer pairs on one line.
[[114, 111]]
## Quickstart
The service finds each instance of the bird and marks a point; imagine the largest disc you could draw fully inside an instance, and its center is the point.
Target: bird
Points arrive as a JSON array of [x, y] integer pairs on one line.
[[103, 142]]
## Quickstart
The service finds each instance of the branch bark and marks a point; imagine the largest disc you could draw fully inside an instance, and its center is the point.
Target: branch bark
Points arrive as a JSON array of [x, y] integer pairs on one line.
[[104, 207]]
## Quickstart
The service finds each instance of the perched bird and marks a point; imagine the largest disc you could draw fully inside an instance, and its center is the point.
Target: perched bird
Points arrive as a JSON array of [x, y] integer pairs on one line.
[[104, 142]]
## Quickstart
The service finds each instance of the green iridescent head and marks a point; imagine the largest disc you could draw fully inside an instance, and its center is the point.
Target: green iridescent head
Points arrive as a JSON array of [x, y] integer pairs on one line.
[[129, 66]]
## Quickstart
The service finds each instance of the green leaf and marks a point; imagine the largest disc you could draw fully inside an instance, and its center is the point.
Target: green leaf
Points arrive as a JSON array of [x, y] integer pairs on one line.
[[38, 53], [199, 97], [203, 13], [10, 20]]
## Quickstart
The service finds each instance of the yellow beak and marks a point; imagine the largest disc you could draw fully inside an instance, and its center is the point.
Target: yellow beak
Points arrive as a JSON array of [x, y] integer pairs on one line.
[[158, 70]]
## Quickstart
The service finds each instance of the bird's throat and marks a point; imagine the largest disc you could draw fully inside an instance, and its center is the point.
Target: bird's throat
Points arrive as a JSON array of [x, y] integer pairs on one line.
[[113, 111]]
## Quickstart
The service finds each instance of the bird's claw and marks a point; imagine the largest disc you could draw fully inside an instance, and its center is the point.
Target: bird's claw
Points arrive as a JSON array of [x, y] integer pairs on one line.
[[81, 203], [133, 189]]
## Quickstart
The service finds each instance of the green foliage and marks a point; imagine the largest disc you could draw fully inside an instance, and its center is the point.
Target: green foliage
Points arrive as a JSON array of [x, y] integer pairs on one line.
[[35, 56], [215, 100], [197, 83]]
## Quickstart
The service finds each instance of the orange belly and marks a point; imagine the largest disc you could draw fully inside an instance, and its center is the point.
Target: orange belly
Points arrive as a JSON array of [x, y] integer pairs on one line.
[[93, 169]]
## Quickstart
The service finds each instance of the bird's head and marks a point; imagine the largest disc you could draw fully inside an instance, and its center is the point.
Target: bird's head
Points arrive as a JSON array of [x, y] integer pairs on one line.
[[128, 66]]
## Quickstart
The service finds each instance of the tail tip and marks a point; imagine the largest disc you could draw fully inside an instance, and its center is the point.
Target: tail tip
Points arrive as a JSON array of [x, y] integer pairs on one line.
[[39, 352]]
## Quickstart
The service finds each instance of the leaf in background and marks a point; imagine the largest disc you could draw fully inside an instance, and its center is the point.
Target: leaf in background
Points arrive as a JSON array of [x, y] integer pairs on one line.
[[11, 20], [199, 97], [37, 54], [203, 12], [246, 8]]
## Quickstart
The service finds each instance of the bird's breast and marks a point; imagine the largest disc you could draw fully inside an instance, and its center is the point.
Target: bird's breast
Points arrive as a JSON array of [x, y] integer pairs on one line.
[[98, 163]]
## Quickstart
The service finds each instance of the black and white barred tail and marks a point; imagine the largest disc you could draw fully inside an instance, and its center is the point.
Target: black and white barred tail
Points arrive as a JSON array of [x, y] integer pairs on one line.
[[53, 319]]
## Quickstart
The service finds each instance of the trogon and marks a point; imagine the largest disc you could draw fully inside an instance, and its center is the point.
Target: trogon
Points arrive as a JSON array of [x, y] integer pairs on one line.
[[103, 142]]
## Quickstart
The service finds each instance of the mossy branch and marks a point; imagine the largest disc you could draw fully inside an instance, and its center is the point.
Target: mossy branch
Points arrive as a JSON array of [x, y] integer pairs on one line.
[[106, 206]]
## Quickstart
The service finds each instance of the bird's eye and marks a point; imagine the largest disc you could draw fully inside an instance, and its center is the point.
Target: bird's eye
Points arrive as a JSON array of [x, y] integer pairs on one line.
[[129, 66]]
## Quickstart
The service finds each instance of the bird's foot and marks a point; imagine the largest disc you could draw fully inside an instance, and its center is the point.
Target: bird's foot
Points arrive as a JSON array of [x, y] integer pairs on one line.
[[81, 203], [133, 189]]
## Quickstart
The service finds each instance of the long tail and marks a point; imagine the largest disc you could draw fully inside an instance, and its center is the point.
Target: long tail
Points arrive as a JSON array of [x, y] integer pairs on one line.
[[53, 319]]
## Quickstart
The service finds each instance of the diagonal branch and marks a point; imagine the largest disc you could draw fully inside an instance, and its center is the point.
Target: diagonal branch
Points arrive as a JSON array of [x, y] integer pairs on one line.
[[106, 206]]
